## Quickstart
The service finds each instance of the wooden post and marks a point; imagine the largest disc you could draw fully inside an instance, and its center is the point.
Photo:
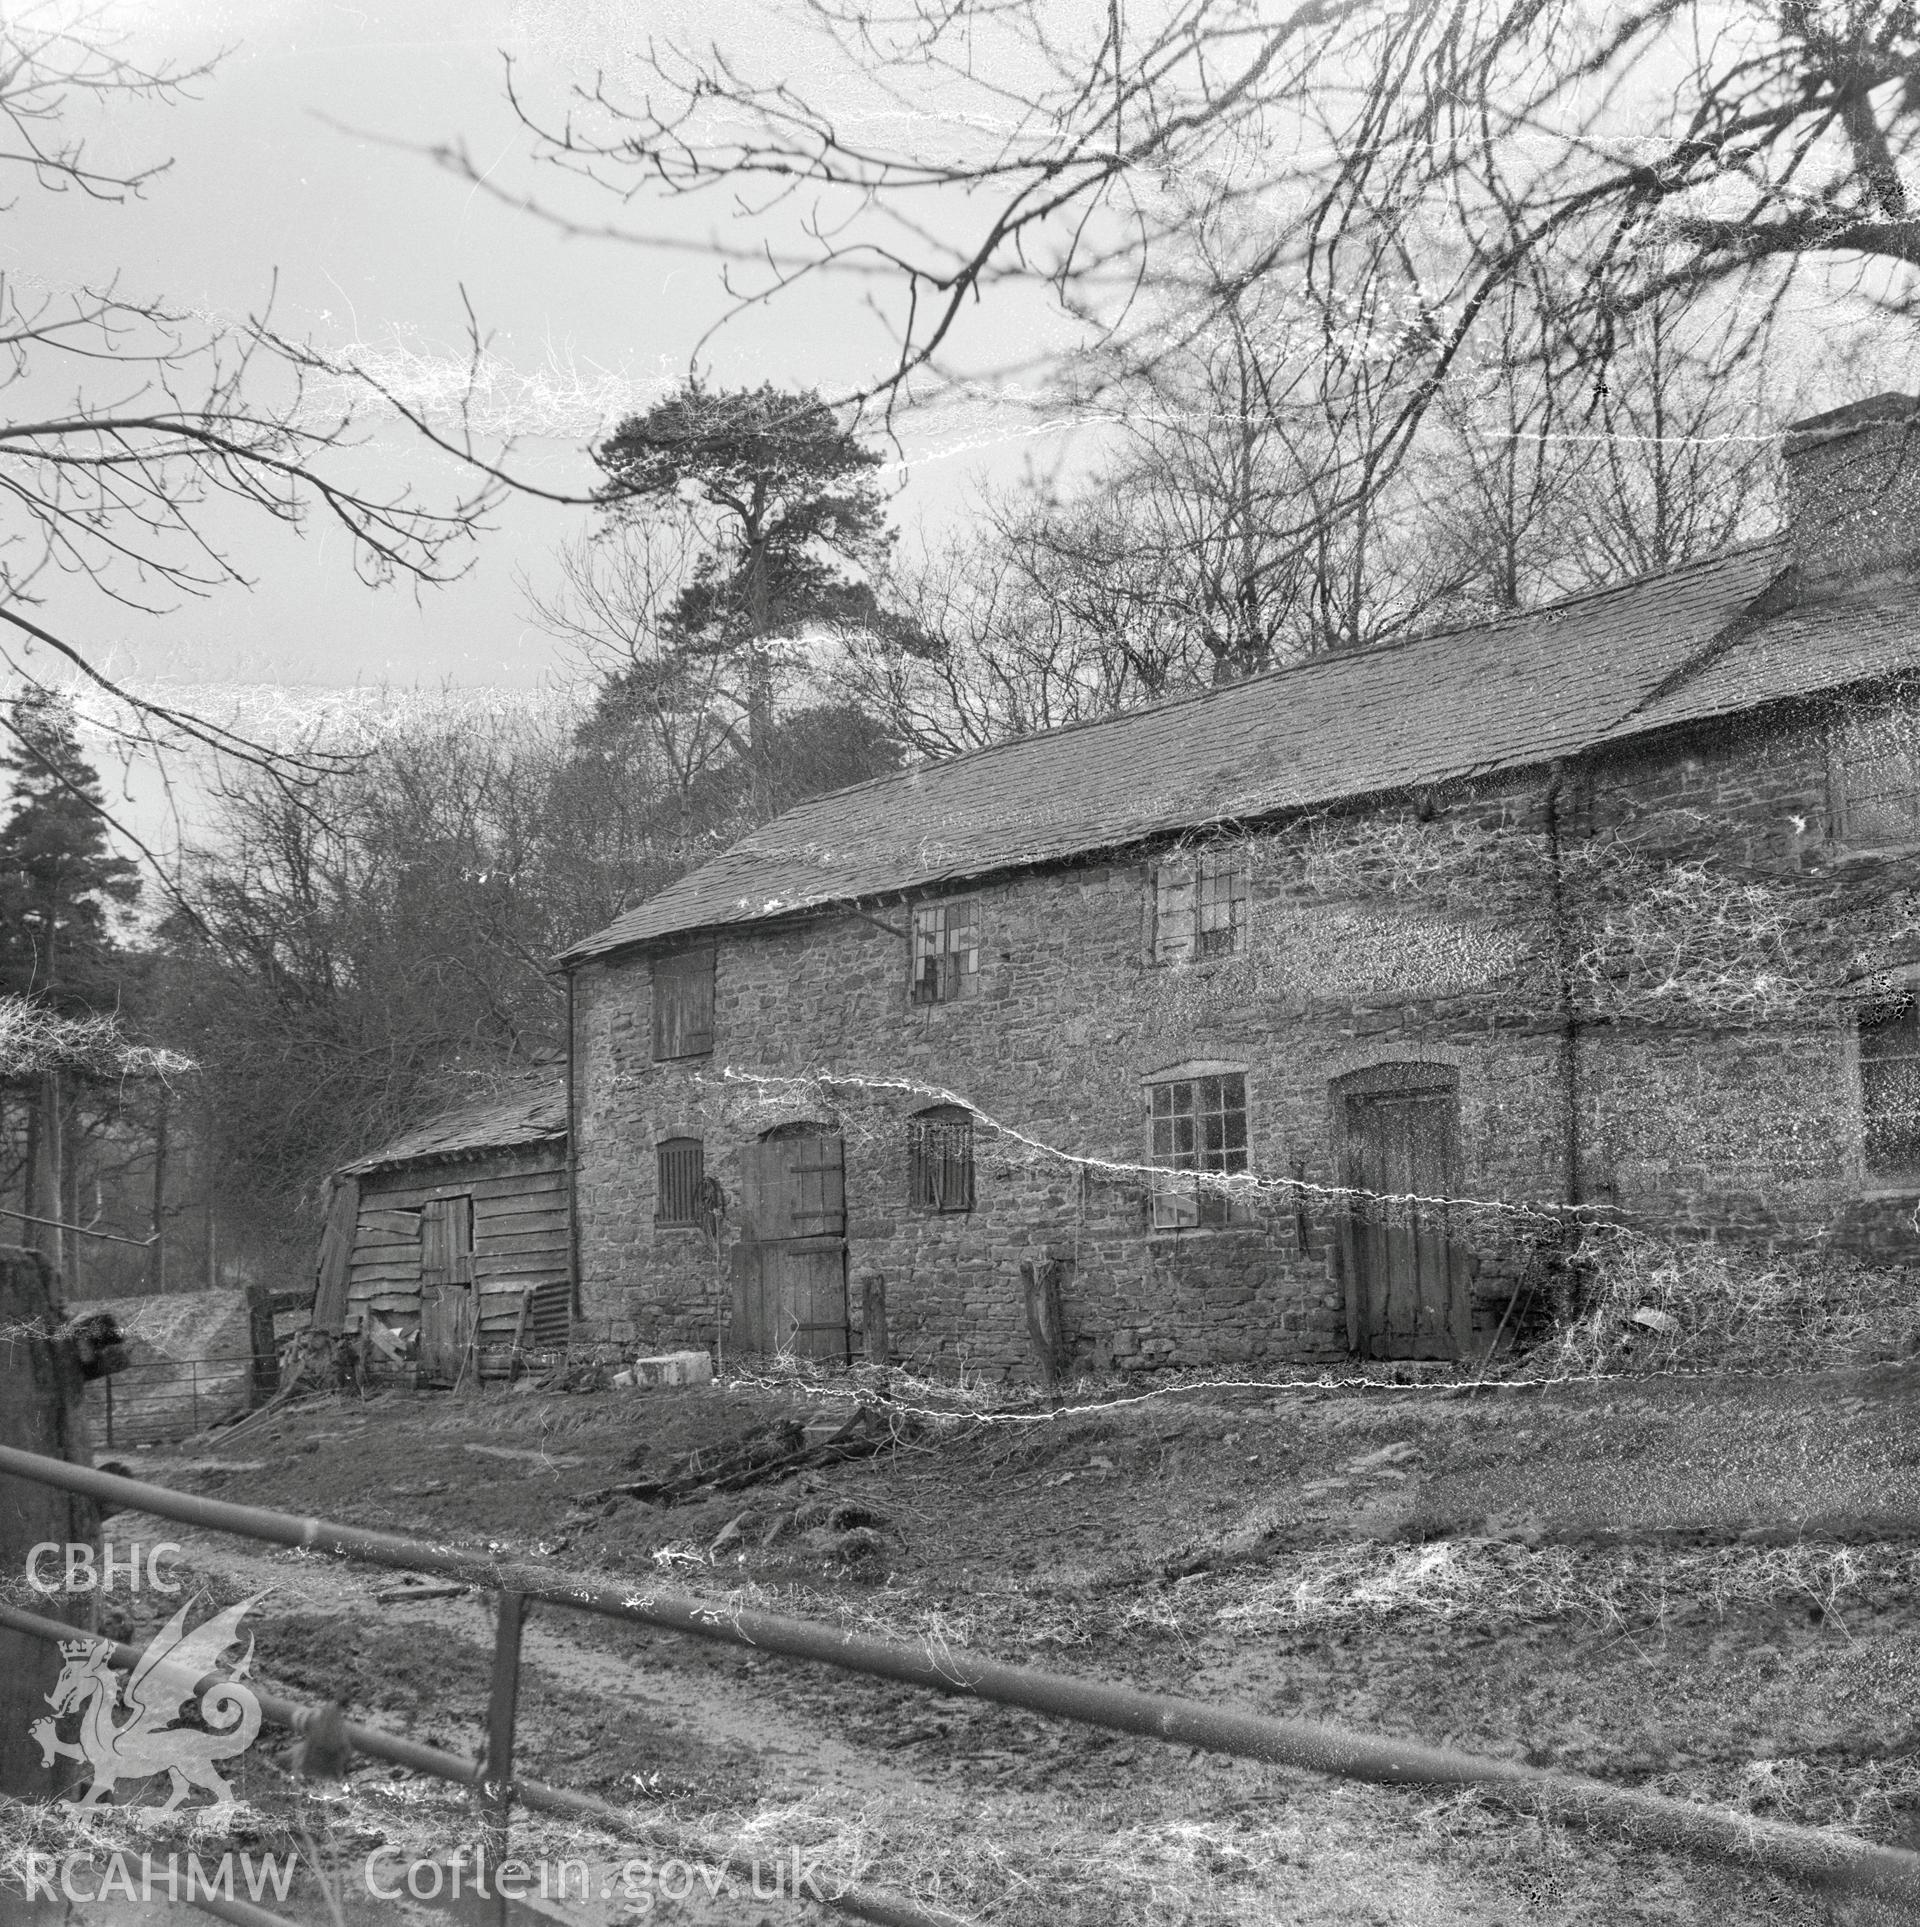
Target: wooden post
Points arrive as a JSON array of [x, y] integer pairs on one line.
[[333, 1271], [496, 1790], [43, 1171], [873, 1315], [157, 1274], [1046, 1322], [40, 1386], [265, 1380]]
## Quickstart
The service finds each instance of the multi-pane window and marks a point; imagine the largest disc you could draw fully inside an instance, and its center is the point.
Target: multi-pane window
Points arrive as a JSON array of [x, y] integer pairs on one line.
[[1196, 1124], [683, 1170], [946, 951], [940, 1159], [683, 1003], [1877, 779], [1890, 1090], [1220, 909], [1199, 906]]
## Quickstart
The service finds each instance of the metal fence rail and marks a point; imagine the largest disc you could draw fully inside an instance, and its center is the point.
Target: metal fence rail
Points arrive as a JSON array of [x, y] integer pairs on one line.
[[158, 1400], [1802, 1853], [563, 1802]]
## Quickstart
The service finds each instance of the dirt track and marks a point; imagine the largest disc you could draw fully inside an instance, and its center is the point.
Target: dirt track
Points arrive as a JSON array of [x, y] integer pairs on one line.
[[1708, 1590]]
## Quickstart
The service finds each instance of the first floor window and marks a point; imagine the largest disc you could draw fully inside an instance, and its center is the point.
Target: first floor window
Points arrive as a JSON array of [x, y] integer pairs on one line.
[[1196, 1124], [946, 951], [940, 1159], [1220, 907], [1876, 779], [1890, 1090], [1200, 906], [683, 1170]]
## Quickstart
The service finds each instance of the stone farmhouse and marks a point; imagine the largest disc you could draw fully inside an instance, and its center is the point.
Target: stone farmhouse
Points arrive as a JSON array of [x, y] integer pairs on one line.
[[1297, 1018]]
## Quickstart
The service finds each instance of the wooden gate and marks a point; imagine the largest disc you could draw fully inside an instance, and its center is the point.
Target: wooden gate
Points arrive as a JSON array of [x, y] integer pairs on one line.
[[1407, 1283], [446, 1288], [790, 1266]]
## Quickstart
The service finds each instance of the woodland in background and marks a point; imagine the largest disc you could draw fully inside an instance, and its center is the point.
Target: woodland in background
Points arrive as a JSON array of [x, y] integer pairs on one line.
[[357, 946], [1501, 319]]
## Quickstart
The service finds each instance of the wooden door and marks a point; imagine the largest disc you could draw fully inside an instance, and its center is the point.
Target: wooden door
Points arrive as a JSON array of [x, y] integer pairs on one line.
[[791, 1264], [1406, 1278], [446, 1288]]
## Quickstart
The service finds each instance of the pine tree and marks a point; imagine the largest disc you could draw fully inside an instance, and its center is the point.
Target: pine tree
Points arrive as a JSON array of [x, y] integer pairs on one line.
[[60, 880], [794, 529], [60, 883]]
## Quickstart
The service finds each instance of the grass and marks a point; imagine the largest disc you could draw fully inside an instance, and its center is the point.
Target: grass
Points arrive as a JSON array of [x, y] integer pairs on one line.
[[1651, 1306], [1171, 1542]]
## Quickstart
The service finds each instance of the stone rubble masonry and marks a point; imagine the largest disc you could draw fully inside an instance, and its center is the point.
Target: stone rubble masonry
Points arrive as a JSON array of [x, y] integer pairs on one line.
[[1734, 1131]]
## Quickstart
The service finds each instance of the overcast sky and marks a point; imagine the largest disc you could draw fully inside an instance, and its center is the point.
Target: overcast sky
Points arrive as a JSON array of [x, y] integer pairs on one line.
[[297, 171], [296, 175], [371, 245]]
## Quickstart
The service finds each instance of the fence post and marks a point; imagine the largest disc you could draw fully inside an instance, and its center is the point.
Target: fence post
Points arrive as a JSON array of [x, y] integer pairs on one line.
[[193, 1387], [265, 1378], [873, 1316], [1046, 1320], [109, 1385], [496, 1790], [40, 1389]]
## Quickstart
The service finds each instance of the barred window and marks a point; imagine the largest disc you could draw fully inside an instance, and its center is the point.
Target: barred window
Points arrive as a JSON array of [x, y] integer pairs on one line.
[[1890, 1090], [946, 951], [1220, 923], [940, 1159], [1199, 906], [683, 1004], [1876, 769], [1196, 1124], [683, 1170]]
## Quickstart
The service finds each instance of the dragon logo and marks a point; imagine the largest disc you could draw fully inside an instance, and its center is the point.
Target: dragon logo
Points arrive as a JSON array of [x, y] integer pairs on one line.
[[157, 1691]]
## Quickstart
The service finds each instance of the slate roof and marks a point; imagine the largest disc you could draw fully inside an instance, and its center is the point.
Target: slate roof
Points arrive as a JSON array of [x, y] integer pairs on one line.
[[532, 1114], [1833, 635], [1503, 695]]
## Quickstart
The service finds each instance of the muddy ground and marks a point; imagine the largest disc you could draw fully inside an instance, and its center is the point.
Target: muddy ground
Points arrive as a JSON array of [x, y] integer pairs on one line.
[[1705, 1588]]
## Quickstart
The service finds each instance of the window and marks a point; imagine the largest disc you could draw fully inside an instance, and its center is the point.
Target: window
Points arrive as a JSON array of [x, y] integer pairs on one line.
[[1196, 1124], [1220, 925], [1199, 906], [683, 1004], [1876, 771], [940, 1159], [946, 951], [683, 1170], [1890, 1090]]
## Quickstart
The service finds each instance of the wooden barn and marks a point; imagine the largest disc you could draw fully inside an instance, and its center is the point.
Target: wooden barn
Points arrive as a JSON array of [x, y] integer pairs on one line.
[[458, 1231]]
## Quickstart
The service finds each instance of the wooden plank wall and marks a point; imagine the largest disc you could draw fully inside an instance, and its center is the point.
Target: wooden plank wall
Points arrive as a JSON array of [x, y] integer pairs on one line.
[[519, 1237]]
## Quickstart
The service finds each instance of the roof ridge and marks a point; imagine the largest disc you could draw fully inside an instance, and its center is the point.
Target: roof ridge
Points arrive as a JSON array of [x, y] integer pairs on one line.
[[1326, 659], [1461, 700]]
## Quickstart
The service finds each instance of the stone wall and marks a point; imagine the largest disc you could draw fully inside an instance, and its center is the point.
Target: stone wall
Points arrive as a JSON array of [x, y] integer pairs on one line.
[[1701, 1127]]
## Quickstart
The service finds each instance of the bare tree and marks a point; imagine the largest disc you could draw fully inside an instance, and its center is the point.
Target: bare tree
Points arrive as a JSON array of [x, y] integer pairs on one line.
[[1518, 137], [613, 611], [136, 425], [1019, 645], [1666, 455]]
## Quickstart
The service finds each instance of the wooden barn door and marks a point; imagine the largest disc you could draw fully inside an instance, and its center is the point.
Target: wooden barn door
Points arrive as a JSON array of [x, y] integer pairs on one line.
[[446, 1288], [1407, 1286], [791, 1277]]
